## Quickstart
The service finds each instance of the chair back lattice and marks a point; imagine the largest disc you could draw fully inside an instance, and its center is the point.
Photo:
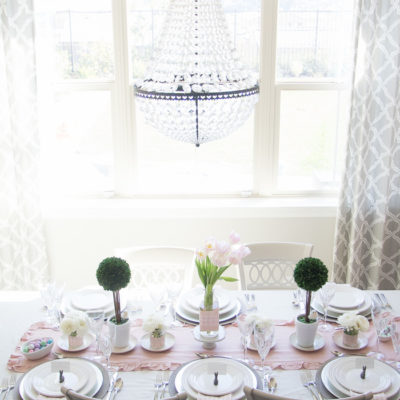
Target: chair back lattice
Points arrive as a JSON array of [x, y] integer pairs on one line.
[[270, 265], [158, 265]]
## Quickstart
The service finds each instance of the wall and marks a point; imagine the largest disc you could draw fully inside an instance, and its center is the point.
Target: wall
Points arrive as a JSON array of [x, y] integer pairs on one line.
[[79, 236]]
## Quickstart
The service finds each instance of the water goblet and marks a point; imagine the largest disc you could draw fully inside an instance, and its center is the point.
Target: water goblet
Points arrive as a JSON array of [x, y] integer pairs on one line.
[[263, 338], [157, 294], [326, 294], [245, 328], [96, 321], [381, 319]]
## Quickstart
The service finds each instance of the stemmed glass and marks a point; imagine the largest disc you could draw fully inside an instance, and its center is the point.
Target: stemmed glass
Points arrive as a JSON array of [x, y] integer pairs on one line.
[[96, 320], [107, 340], [174, 289], [395, 335], [263, 337], [157, 294], [381, 319], [52, 295], [325, 295], [245, 328]]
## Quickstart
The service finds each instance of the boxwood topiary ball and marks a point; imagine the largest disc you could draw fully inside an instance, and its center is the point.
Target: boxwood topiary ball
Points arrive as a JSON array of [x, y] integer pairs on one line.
[[113, 273], [310, 274]]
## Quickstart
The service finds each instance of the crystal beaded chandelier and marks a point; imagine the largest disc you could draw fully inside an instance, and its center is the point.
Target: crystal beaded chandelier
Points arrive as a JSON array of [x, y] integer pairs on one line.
[[196, 90]]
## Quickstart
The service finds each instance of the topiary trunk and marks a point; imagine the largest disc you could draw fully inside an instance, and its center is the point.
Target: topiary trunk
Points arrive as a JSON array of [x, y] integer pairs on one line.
[[308, 306], [117, 307]]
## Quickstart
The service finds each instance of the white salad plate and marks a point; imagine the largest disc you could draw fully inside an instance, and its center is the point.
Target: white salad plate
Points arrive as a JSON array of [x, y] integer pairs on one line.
[[131, 345], [202, 378], [362, 341], [182, 382], [91, 299], [319, 343], [63, 343], [347, 297], [94, 377], [169, 342], [333, 384]]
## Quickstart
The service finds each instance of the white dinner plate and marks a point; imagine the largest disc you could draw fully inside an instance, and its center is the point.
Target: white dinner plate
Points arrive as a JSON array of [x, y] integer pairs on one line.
[[319, 343], [93, 374], [63, 343], [169, 342], [50, 385], [362, 341], [91, 299], [195, 296], [348, 375], [66, 304], [182, 384], [131, 345], [202, 378], [347, 297], [329, 380], [195, 318]]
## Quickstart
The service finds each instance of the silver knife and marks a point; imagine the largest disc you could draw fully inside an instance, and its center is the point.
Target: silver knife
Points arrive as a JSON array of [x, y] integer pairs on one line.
[[111, 387], [384, 301]]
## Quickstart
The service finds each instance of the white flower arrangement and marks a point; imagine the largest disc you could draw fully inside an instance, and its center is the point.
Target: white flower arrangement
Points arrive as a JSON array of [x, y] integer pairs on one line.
[[155, 324], [75, 323], [258, 321], [353, 323]]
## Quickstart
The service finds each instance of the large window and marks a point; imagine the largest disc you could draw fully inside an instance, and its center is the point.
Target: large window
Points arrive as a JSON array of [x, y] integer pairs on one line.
[[96, 141]]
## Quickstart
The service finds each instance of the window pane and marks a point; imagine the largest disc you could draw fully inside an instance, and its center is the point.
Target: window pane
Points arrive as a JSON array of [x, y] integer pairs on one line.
[[312, 131], [314, 39], [84, 39], [78, 151], [168, 166]]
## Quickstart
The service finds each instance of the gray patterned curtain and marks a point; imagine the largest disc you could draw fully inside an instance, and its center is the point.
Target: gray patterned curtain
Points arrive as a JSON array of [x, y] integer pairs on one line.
[[367, 244], [23, 260]]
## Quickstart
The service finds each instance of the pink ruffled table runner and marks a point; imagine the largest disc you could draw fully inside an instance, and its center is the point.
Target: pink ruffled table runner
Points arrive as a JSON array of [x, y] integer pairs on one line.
[[283, 355]]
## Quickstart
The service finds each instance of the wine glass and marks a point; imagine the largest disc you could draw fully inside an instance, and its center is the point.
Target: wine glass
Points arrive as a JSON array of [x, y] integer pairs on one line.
[[245, 328], [263, 337], [96, 321], [157, 294], [52, 296], [173, 290], [325, 295], [381, 319], [107, 340], [395, 335]]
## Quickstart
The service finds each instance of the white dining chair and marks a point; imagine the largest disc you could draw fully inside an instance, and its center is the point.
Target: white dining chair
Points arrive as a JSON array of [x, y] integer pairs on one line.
[[270, 265], [255, 394], [158, 265]]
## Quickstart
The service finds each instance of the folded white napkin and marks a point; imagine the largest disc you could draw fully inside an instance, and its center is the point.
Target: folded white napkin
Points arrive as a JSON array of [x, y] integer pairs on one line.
[[204, 397]]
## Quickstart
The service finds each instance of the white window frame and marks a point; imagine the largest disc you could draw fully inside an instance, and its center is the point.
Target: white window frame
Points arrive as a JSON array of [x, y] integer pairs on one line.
[[266, 126]]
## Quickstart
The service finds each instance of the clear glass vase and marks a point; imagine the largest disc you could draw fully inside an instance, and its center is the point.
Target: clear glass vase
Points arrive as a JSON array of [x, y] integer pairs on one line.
[[209, 314]]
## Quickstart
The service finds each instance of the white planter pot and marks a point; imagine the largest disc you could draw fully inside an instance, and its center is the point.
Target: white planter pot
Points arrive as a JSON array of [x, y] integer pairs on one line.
[[305, 333], [121, 333]]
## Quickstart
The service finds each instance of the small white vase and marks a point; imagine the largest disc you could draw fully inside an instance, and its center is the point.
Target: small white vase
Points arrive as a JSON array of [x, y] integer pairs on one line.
[[121, 333], [157, 343], [305, 332], [75, 341], [350, 340]]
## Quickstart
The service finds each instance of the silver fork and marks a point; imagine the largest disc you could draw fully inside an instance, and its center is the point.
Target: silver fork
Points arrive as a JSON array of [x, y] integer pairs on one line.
[[165, 381], [11, 384], [157, 386], [4, 385], [306, 383]]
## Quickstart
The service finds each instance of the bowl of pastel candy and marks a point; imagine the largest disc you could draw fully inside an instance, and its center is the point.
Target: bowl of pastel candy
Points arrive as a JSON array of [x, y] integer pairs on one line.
[[37, 348]]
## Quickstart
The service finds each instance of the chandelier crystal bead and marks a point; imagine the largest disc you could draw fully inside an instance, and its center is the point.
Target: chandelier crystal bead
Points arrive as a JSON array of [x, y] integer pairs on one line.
[[197, 89]]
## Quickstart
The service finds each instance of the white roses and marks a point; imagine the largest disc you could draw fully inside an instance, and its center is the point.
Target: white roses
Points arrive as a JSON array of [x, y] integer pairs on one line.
[[75, 323], [353, 323], [155, 325]]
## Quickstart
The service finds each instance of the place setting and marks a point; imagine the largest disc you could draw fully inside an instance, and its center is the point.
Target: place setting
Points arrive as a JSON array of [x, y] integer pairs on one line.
[[81, 375]]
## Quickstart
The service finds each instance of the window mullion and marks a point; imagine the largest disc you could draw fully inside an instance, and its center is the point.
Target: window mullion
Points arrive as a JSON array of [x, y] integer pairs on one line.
[[122, 106], [265, 163]]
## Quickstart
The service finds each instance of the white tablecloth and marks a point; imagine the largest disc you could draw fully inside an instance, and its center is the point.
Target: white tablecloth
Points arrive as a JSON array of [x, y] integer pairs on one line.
[[20, 309]]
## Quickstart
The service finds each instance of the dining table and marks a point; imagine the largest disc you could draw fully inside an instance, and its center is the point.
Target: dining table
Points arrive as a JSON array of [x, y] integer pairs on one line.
[[21, 310]]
